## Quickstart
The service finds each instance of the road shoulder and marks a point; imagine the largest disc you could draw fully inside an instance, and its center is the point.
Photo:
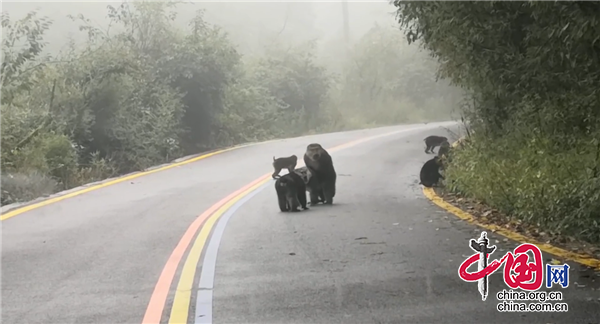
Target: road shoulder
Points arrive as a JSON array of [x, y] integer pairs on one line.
[[560, 247]]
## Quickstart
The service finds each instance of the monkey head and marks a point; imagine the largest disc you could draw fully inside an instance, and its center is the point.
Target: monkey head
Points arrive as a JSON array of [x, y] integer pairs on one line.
[[304, 173], [314, 151]]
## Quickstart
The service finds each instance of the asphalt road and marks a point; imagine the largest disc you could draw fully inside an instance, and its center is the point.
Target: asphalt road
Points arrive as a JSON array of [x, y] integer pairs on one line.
[[383, 253]]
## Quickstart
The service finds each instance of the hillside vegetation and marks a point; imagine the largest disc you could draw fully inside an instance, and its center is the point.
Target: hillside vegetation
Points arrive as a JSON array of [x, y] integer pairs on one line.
[[533, 73], [143, 91]]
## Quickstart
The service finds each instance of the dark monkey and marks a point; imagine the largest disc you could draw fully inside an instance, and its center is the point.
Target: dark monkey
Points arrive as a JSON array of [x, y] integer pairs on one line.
[[432, 141], [284, 163], [291, 192], [444, 149], [312, 185], [319, 163], [430, 172]]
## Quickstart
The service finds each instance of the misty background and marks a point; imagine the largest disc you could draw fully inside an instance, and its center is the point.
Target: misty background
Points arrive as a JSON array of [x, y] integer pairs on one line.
[[251, 25], [96, 89], [137, 84]]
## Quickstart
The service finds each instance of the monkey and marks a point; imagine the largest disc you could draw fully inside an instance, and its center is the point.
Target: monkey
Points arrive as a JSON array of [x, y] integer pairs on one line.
[[444, 149], [321, 173], [432, 141], [312, 185], [430, 172], [319, 163], [291, 192], [284, 163]]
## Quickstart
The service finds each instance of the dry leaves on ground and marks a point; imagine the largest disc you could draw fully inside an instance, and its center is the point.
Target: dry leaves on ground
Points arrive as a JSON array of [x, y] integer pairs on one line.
[[487, 215]]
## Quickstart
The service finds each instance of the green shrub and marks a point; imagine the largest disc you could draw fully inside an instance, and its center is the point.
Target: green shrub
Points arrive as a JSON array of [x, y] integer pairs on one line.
[[19, 187], [530, 69], [532, 180], [145, 92]]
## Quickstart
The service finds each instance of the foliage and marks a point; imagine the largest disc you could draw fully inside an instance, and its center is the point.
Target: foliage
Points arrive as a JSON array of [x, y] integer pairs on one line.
[[143, 91], [533, 71], [22, 42], [528, 178], [396, 82], [295, 80], [26, 186]]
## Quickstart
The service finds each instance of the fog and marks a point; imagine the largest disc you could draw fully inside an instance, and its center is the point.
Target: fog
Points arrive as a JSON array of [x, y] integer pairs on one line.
[[254, 27], [251, 25], [94, 96]]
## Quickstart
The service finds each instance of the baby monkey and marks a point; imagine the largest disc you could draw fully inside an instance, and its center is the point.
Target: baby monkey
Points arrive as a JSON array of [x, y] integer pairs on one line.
[[284, 163], [432, 141]]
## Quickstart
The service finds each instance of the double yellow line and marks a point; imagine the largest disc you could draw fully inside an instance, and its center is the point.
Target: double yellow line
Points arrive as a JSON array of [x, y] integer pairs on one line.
[[180, 309], [183, 294], [182, 300]]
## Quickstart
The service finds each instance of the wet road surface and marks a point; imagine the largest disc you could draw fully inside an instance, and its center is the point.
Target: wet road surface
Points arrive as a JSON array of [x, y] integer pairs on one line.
[[383, 253]]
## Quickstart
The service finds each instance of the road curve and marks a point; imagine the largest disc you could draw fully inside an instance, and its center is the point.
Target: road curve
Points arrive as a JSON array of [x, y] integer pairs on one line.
[[382, 254]]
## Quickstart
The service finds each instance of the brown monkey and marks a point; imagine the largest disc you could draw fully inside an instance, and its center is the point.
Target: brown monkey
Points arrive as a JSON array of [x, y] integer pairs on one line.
[[319, 163], [430, 172], [432, 141], [444, 149], [284, 163], [291, 192], [312, 185]]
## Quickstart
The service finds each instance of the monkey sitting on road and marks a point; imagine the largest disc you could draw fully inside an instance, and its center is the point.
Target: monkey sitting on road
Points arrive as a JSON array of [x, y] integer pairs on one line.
[[291, 192], [284, 163], [444, 149], [432, 141], [319, 163], [430, 172], [312, 185]]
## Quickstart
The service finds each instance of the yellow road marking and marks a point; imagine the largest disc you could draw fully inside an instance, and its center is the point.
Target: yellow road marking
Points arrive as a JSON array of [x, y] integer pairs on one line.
[[584, 259], [45, 202], [181, 302], [15, 212]]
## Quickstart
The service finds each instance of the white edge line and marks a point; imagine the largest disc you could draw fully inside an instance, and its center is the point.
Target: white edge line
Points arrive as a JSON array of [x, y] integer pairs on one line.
[[204, 297], [203, 311]]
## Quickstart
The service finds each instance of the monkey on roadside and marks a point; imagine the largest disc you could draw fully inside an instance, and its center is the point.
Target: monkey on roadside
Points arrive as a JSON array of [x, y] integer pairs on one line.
[[284, 163], [444, 149], [432, 141], [319, 163], [291, 192], [430, 172], [312, 185]]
